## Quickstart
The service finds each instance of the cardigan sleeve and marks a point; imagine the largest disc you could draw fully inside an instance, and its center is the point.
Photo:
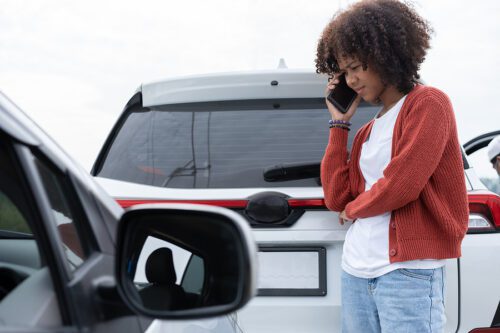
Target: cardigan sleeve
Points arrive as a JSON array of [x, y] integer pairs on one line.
[[425, 133], [335, 171]]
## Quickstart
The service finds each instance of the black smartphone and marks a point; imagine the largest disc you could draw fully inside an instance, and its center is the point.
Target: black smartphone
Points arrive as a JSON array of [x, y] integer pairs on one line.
[[342, 96]]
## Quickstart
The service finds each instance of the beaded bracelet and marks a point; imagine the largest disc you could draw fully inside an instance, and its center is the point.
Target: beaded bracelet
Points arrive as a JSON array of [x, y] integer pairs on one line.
[[340, 126], [339, 122]]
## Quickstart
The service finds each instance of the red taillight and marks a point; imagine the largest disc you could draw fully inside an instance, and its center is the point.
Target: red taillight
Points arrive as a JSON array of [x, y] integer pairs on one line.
[[307, 203], [486, 205]]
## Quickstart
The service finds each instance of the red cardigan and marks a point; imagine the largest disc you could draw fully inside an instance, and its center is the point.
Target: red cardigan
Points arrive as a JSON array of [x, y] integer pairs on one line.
[[423, 185]]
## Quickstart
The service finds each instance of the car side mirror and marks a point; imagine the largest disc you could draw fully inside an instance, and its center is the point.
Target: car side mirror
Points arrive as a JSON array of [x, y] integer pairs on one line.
[[185, 261]]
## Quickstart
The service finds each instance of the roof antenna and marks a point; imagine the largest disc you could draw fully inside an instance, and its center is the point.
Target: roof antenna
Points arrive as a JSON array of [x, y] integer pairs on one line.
[[282, 64]]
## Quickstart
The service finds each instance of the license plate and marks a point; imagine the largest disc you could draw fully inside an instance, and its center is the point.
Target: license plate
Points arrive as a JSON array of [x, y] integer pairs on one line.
[[292, 271]]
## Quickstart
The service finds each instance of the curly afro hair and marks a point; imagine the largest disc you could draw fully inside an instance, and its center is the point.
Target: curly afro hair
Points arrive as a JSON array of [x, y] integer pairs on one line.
[[387, 35]]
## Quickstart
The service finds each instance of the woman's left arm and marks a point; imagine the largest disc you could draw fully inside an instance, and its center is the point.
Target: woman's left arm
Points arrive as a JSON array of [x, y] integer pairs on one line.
[[420, 148]]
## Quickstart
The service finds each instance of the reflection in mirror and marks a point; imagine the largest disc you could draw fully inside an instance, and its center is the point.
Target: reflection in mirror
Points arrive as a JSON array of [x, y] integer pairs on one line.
[[163, 279], [184, 261]]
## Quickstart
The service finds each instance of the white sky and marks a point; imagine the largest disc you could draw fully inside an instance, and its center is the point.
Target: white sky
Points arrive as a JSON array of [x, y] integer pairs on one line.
[[73, 65]]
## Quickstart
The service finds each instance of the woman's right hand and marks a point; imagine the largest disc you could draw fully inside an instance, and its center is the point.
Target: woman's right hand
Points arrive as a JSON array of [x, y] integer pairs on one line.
[[336, 114]]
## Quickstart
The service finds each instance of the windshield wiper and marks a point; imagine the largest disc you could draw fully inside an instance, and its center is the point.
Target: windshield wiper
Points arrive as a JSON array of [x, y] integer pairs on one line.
[[184, 171], [291, 171]]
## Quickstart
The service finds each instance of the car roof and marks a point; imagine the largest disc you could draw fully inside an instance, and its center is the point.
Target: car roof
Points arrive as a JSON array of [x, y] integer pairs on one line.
[[243, 85]]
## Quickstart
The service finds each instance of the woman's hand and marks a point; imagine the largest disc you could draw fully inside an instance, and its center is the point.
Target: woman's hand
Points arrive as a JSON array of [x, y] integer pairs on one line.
[[336, 114], [343, 217]]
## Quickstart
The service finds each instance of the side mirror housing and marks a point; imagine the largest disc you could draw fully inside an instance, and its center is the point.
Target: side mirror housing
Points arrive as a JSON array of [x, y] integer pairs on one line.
[[184, 261]]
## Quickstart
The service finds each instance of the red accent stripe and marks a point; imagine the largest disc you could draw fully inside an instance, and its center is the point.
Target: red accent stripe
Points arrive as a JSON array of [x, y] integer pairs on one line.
[[220, 203], [294, 203], [304, 203], [477, 202]]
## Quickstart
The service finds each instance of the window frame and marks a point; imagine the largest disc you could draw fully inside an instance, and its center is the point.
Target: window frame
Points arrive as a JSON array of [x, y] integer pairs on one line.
[[49, 240], [79, 217], [50, 256]]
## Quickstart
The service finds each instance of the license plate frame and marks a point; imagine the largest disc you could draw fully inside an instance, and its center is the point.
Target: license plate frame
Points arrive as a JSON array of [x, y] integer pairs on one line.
[[293, 252]]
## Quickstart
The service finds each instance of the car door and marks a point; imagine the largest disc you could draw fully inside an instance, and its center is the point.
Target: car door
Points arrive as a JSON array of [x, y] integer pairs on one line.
[[77, 233], [32, 299]]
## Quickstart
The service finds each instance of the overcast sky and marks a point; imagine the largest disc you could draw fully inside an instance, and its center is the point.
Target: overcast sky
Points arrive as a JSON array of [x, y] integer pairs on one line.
[[72, 65]]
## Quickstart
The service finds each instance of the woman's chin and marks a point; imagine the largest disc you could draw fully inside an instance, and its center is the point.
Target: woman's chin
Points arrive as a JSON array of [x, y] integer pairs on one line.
[[372, 101]]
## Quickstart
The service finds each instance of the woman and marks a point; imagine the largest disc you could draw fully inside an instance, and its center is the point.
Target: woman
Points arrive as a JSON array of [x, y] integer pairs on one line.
[[403, 182]]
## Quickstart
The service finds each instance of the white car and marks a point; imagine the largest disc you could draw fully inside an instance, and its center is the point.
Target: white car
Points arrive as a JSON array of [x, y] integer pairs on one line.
[[252, 142]]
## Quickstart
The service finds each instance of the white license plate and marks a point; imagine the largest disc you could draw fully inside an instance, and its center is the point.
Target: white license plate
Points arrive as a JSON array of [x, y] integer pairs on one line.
[[292, 271]]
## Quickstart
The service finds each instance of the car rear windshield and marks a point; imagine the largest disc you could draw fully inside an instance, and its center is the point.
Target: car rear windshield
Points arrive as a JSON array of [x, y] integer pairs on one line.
[[220, 144]]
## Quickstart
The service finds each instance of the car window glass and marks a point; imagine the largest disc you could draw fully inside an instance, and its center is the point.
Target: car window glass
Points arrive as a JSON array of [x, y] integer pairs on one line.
[[221, 145], [12, 201], [11, 219], [19, 252], [484, 169], [192, 280], [57, 191]]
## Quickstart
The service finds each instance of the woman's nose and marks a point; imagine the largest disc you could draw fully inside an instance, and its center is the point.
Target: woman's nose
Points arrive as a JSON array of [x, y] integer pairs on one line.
[[351, 80]]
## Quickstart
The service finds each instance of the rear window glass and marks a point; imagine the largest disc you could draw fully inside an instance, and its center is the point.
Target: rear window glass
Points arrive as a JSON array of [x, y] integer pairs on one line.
[[221, 145]]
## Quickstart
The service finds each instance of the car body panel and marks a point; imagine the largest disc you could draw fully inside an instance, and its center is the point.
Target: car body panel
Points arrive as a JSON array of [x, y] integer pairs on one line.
[[233, 86]]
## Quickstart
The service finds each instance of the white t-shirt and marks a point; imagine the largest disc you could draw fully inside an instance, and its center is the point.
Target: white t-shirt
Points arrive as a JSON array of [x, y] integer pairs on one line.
[[366, 247]]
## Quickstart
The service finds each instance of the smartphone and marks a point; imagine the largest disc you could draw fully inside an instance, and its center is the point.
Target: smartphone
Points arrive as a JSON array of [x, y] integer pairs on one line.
[[342, 96]]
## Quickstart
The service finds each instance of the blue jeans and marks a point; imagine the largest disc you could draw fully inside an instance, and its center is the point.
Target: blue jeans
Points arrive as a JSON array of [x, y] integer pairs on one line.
[[404, 300]]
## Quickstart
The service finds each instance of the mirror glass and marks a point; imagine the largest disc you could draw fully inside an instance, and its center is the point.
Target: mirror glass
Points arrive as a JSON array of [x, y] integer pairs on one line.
[[180, 260]]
